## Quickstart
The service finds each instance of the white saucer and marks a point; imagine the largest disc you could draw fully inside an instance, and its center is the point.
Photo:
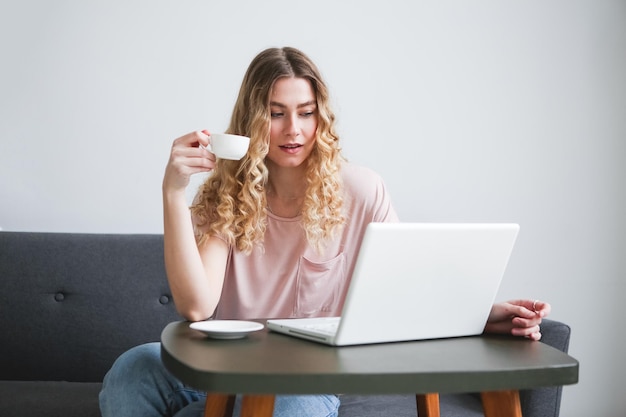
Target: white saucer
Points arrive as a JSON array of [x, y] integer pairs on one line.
[[226, 329]]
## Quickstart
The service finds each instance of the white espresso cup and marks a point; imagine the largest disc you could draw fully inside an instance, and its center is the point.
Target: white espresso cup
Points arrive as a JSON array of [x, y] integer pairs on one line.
[[227, 146]]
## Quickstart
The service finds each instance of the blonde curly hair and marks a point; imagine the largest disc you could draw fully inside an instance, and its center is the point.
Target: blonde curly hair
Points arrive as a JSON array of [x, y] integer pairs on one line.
[[232, 202]]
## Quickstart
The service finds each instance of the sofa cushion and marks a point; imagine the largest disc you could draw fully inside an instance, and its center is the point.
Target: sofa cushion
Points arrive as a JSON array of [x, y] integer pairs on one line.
[[72, 303]]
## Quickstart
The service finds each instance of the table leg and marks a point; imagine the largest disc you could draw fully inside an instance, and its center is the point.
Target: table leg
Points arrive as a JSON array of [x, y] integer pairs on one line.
[[427, 405], [257, 405], [219, 405], [501, 403]]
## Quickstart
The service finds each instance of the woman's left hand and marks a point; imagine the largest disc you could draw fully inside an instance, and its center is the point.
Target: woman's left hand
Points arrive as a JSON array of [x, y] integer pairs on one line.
[[518, 317]]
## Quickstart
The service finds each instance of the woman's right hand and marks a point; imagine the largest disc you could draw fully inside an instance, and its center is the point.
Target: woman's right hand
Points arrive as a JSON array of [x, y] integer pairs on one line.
[[195, 279], [187, 157]]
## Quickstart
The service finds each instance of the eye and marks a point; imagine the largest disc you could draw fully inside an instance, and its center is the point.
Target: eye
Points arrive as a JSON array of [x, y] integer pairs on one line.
[[308, 113], [274, 115]]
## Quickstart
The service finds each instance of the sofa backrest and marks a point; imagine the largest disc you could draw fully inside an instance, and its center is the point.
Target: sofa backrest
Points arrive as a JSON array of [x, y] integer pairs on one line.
[[72, 303]]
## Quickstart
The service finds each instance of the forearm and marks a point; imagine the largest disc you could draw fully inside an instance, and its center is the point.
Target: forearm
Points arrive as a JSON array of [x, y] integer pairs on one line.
[[196, 287]]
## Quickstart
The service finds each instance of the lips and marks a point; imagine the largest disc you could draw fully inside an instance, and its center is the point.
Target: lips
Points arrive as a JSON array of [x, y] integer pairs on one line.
[[290, 147]]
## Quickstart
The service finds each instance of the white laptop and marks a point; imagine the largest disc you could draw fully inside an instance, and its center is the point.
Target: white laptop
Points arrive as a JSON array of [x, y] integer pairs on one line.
[[415, 281]]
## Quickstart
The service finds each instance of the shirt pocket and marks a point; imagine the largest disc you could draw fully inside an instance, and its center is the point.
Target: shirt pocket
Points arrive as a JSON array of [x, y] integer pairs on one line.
[[318, 286]]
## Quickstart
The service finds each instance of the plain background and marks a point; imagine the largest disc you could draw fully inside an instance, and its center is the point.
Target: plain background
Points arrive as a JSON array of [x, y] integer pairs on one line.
[[471, 111]]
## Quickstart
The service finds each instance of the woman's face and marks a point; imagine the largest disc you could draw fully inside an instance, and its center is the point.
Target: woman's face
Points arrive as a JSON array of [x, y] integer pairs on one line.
[[293, 110]]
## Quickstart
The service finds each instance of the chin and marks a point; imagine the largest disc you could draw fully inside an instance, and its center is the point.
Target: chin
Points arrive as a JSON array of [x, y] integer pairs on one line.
[[288, 162]]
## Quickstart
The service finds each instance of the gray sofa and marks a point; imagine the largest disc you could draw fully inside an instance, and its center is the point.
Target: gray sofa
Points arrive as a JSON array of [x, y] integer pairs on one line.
[[71, 303]]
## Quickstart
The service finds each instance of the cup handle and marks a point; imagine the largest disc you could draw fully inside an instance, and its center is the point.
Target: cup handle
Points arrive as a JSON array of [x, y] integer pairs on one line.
[[207, 148]]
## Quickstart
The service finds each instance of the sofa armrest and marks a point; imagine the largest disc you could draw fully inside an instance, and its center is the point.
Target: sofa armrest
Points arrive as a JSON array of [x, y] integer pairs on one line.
[[556, 334], [546, 402]]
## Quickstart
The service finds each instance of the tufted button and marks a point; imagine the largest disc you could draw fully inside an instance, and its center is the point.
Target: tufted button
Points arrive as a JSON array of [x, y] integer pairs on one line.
[[59, 296], [164, 299]]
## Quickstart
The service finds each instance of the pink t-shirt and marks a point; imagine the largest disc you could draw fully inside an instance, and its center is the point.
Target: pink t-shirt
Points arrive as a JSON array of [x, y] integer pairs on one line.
[[291, 279]]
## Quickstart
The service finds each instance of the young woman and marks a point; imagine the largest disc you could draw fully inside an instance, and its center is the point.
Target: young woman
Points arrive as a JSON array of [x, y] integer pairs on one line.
[[273, 235]]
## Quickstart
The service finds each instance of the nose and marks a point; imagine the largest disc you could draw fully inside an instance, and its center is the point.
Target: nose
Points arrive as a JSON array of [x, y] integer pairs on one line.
[[292, 128]]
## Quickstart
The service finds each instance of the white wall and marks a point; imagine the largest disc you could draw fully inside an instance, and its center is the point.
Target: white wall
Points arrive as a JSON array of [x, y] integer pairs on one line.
[[472, 111]]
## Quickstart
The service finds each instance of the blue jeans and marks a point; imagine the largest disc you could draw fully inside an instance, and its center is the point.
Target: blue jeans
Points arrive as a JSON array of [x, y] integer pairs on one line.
[[138, 385]]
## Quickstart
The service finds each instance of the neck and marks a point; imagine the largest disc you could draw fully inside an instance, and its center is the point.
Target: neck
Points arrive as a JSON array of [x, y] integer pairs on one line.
[[286, 183], [285, 192]]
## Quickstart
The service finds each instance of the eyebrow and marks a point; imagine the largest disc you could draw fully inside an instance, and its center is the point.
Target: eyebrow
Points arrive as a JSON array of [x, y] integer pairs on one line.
[[305, 104]]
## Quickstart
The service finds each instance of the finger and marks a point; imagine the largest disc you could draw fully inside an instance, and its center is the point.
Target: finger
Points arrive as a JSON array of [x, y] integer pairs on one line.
[[522, 308], [188, 165], [186, 154], [525, 331], [542, 308], [534, 336], [185, 162], [207, 153], [537, 307], [204, 139], [529, 305], [528, 321], [193, 145], [193, 139]]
